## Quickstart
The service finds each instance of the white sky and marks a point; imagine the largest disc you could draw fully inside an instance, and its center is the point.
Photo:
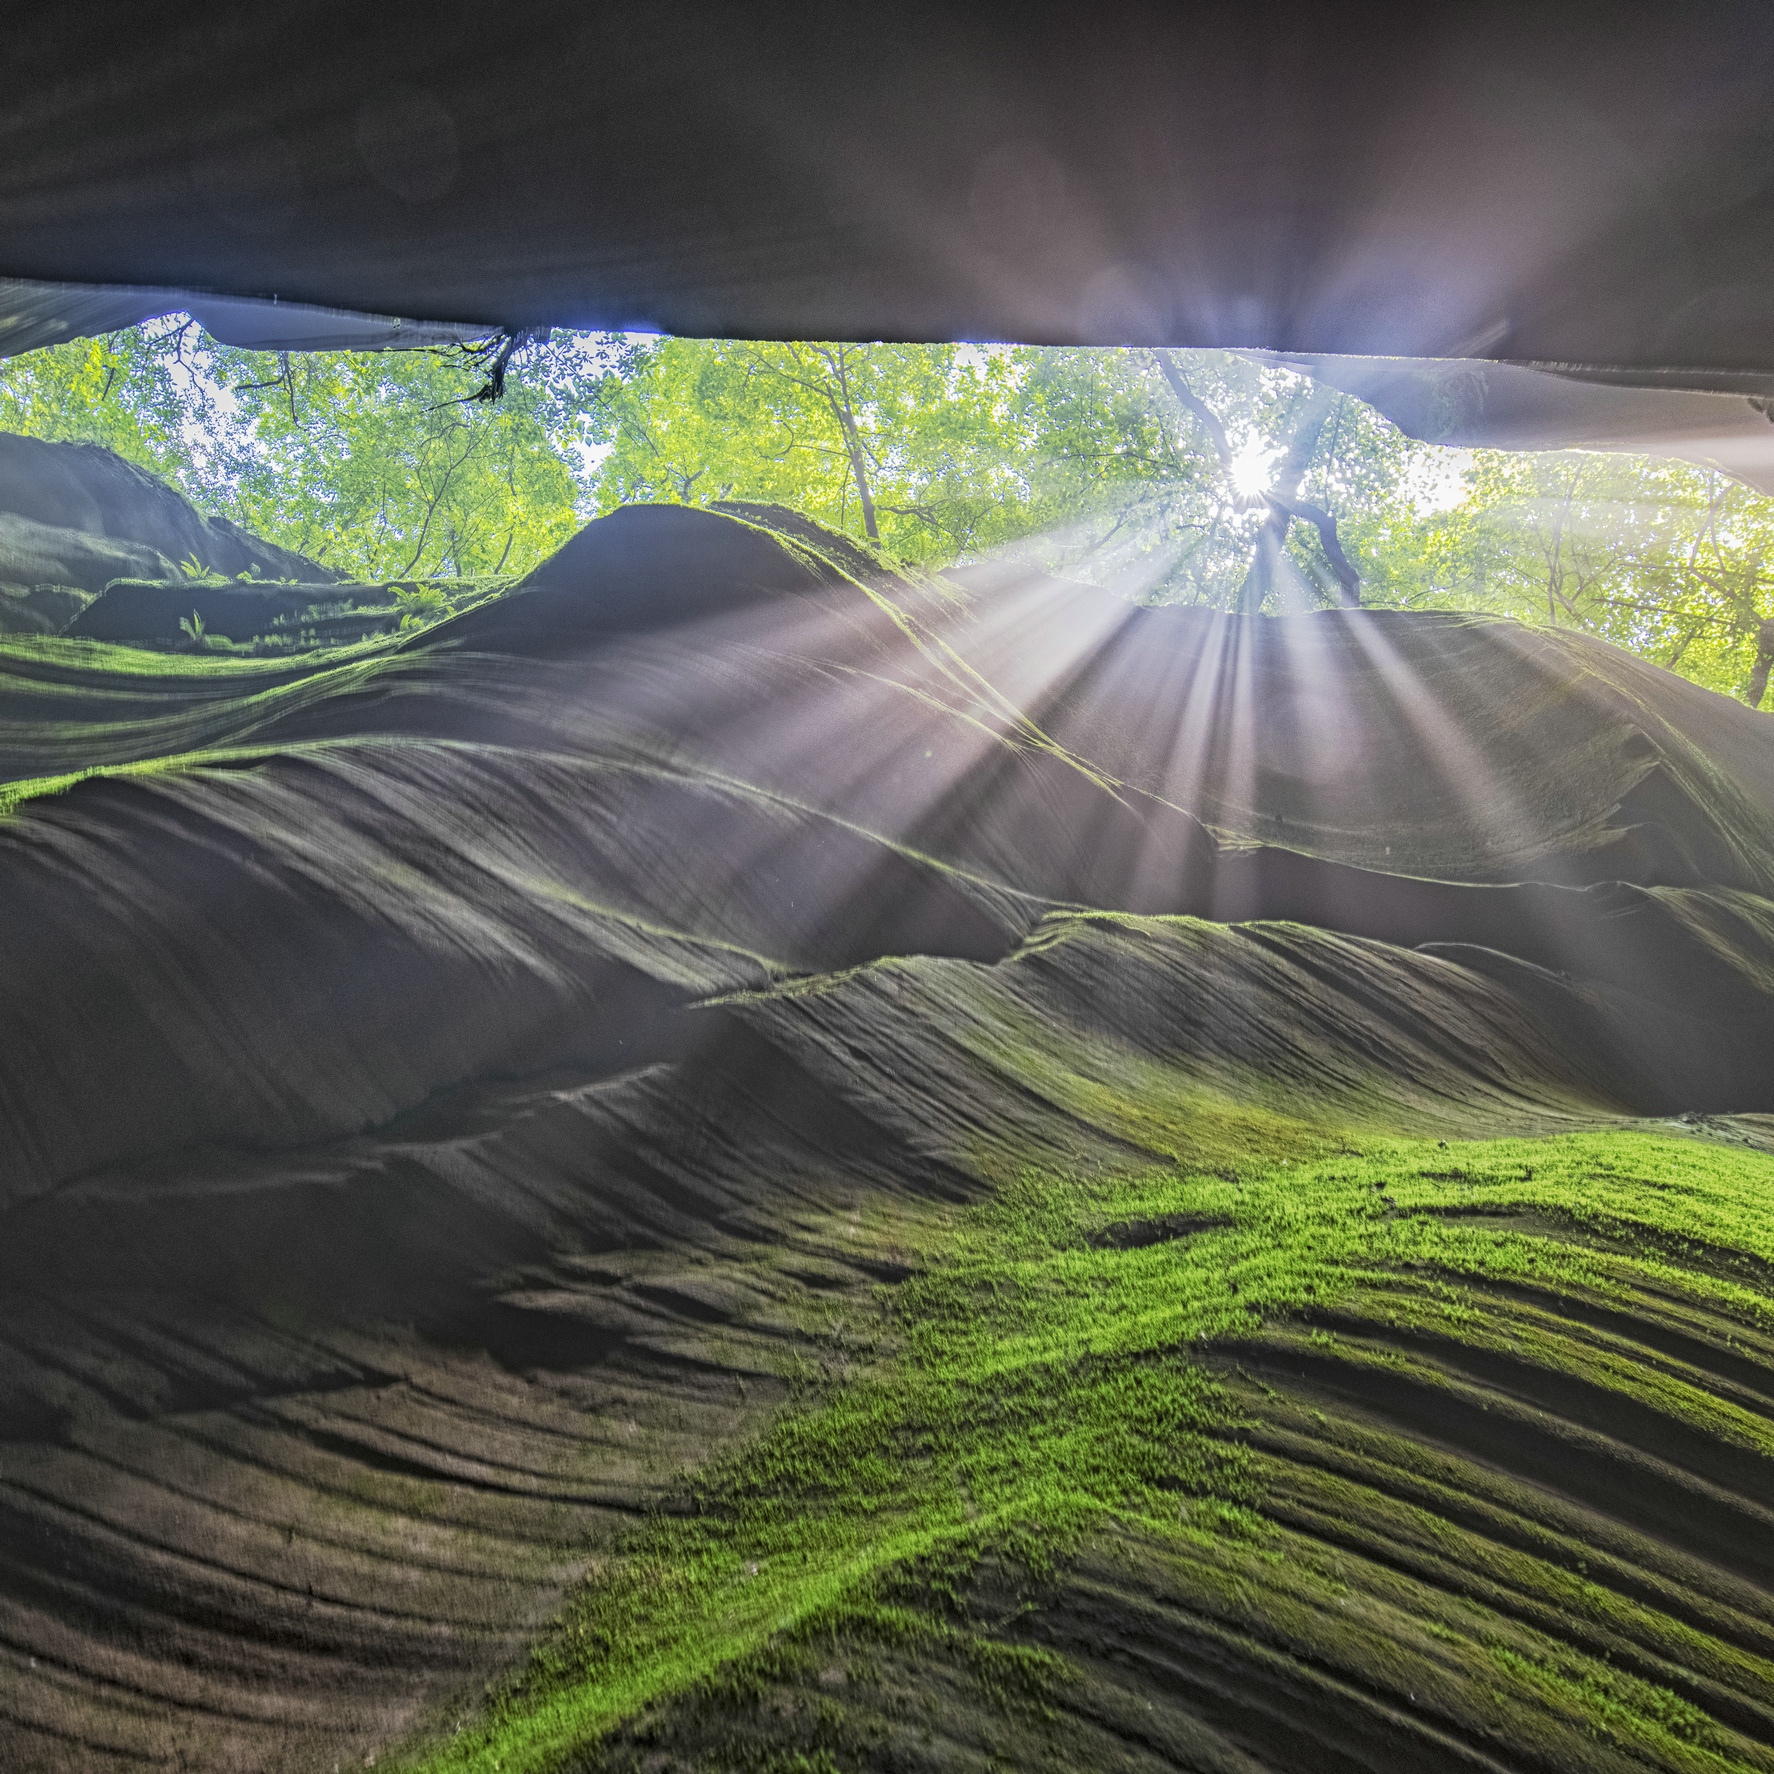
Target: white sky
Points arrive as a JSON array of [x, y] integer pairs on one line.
[[1437, 484]]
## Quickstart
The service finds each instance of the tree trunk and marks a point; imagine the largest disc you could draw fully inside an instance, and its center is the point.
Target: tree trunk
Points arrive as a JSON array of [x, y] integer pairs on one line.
[[837, 362], [1325, 523], [1758, 679], [1260, 579], [858, 465], [859, 468]]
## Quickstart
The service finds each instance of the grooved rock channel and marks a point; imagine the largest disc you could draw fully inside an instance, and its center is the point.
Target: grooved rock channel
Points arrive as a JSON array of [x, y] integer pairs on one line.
[[447, 1083]]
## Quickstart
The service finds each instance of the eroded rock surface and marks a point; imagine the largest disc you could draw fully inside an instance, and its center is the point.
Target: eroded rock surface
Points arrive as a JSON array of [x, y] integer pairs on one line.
[[439, 1090], [75, 517]]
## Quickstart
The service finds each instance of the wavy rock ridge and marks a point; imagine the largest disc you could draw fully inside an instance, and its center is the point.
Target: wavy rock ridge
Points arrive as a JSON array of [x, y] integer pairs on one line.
[[444, 1080], [75, 517]]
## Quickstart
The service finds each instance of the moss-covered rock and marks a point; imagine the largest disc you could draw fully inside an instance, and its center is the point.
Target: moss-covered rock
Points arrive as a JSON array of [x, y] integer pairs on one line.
[[937, 1176]]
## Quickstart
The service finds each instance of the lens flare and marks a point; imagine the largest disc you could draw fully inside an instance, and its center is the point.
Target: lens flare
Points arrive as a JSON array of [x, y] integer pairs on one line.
[[1252, 465]]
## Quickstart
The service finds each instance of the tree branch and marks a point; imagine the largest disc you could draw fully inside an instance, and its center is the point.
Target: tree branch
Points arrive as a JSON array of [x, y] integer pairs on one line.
[[436, 498], [1348, 579], [1210, 420], [1267, 557]]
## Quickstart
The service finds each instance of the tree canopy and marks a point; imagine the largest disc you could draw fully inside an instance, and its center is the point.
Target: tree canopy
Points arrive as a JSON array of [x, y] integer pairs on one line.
[[913, 446], [376, 464], [1200, 477]]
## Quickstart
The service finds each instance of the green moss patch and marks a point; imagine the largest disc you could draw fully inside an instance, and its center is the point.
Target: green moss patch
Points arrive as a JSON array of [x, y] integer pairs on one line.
[[1061, 1371]]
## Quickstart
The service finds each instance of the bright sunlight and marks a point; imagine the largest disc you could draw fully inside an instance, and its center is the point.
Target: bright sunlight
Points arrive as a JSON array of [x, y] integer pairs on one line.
[[1252, 466]]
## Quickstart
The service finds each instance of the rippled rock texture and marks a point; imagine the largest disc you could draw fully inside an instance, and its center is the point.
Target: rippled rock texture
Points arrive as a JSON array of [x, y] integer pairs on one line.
[[443, 1080]]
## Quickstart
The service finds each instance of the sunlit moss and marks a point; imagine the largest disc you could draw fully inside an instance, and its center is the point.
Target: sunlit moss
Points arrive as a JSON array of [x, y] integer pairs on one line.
[[1053, 1377]]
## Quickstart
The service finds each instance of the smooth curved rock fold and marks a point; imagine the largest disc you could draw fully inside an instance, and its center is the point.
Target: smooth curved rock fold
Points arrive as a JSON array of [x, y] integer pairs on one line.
[[435, 1082]]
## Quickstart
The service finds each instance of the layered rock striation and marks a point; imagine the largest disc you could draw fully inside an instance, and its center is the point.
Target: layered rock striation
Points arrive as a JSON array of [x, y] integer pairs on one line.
[[435, 1083]]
